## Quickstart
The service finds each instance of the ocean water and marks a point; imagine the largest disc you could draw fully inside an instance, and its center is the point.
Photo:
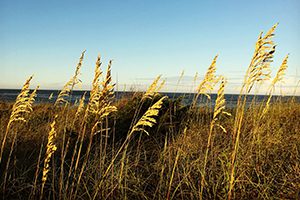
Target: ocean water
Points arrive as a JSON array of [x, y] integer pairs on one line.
[[9, 95]]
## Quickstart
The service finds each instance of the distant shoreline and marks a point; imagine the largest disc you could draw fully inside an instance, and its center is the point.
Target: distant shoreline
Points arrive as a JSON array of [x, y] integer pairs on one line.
[[9, 96], [132, 92]]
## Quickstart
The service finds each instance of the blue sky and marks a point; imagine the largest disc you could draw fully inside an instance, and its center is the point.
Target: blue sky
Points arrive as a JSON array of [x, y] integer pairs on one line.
[[144, 38]]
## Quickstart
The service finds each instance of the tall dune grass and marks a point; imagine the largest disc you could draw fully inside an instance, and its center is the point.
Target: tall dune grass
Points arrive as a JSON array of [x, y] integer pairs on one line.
[[148, 146]]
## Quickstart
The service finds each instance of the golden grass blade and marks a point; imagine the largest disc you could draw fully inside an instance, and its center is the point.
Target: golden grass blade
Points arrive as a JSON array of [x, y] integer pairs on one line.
[[80, 107], [95, 92], [64, 93], [258, 70], [107, 92], [100, 98], [50, 96], [21, 107], [278, 77], [108, 78], [209, 78], [148, 119], [220, 101], [77, 71], [281, 71], [180, 77], [69, 86], [207, 84], [195, 77], [161, 85], [218, 111], [153, 88], [105, 111], [51, 148]]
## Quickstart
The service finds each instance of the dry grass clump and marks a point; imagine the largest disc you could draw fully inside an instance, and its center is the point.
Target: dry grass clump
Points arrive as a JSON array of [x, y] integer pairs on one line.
[[258, 71], [21, 108], [219, 110], [97, 149]]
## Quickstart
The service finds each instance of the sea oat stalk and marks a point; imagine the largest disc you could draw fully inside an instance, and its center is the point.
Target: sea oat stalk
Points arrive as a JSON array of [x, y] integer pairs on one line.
[[219, 110], [51, 148], [258, 70]]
